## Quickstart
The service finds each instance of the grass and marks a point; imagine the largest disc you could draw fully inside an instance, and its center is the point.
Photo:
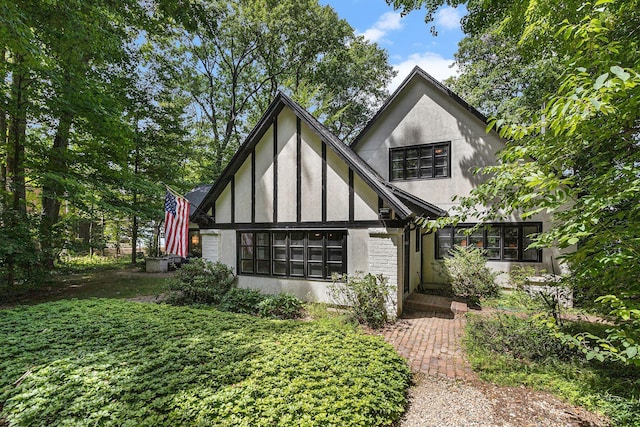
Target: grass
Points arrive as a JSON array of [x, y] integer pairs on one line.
[[111, 362], [605, 387], [100, 278]]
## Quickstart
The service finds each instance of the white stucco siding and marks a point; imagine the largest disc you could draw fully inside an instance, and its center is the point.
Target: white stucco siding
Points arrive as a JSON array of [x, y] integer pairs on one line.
[[365, 201], [311, 175], [264, 178], [243, 192], [337, 188], [424, 115], [287, 160], [227, 243], [223, 206]]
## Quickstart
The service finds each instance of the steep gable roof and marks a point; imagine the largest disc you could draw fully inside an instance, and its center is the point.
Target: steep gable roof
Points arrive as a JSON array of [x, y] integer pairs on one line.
[[417, 72], [359, 166]]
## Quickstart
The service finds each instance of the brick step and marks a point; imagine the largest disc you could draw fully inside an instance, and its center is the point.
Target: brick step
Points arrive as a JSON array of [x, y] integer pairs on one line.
[[434, 303]]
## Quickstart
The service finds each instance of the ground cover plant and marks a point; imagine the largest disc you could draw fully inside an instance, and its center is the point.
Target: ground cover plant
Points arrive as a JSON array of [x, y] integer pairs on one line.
[[111, 362], [516, 350]]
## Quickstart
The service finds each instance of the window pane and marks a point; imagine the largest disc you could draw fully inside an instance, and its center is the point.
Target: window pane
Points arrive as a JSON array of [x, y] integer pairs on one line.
[[280, 268], [477, 238], [493, 243], [426, 153], [444, 242], [397, 155], [334, 239], [246, 266], [263, 267], [296, 254], [527, 232], [459, 237], [333, 268], [314, 254], [314, 269], [280, 254], [315, 239], [397, 173], [262, 239], [279, 239], [334, 254], [247, 252], [511, 254], [296, 239], [297, 268], [246, 239], [262, 253], [412, 154]]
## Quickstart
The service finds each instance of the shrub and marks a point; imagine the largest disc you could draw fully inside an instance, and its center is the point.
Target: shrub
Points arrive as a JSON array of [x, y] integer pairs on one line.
[[522, 338], [470, 277], [280, 306], [200, 282], [519, 276], [365, 297], [242, 300]]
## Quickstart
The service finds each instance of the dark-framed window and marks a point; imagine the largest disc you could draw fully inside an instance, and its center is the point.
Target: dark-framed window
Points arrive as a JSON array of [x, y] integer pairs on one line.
[[420, 161], [294, 253], [501, 242]]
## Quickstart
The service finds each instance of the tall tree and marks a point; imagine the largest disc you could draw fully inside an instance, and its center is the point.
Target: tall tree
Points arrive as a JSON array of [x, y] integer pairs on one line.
[[577, 157], [232, 57]]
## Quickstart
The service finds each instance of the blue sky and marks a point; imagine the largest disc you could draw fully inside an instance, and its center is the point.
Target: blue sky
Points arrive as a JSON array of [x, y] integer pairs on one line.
[[407, 39]]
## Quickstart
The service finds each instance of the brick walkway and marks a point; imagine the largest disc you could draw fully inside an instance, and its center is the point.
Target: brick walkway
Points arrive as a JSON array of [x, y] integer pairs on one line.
[[431, 343]]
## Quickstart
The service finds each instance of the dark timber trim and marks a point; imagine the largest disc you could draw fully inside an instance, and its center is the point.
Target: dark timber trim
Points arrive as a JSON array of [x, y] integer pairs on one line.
[[253, 185], [324, 181], [232, 182], [315, 225], [351, 197], [275, 169], [298, 169]]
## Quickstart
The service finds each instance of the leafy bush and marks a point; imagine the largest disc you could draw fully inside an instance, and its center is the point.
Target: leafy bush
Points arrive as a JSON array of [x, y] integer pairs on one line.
[[280, 306], [470, 277], [519, 276], [365, 297], [109, 362], [242, 300], [513, 351], [200, 282], [522, 338]]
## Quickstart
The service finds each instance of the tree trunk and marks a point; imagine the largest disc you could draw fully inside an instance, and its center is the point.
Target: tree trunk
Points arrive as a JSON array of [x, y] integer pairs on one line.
[[52, 191], [3, 135], [16, 139]]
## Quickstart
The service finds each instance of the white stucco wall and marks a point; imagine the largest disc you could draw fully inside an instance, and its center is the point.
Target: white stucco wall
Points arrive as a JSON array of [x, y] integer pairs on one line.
[[243, 192], [424, 115], [264, 178], [287, 158], [338, 185], [223, 206], [311, 175]]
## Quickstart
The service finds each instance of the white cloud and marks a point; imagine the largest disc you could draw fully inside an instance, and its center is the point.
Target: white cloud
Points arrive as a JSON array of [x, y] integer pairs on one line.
[[438, 67], [448, 18], [387, 22]]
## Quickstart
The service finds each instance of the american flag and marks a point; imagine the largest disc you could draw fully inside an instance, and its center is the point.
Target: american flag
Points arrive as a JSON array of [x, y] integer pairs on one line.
[[176, 224]]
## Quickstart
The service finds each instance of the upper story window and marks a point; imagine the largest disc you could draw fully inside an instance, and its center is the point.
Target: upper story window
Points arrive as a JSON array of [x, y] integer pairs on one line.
[[420, 161], [500, 242]]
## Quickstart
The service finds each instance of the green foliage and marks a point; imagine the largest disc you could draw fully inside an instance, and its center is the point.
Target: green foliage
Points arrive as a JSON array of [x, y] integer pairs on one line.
[[500, 351], [78, 264], [526, 338], [280, 306], [201, 282], [575, 157], [114, 363], [519, 276], [242, 300], [469, 275], [364, 297]]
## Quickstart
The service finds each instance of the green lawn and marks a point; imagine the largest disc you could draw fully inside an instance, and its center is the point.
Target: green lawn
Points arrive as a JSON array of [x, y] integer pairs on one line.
[[111, 362]]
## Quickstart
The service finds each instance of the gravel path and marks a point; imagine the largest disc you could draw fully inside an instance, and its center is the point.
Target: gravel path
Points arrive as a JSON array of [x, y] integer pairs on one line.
[[443, 402]]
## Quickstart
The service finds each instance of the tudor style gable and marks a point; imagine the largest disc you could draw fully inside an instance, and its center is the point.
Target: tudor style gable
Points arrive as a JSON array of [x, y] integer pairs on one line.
[[292, 172]]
